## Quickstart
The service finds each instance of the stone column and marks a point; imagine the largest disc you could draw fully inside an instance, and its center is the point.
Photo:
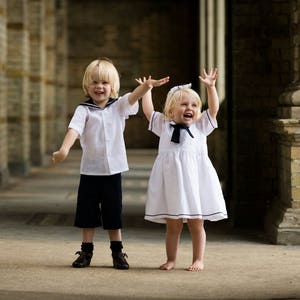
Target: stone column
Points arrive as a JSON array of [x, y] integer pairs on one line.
[[282, 223], [212, 54], [3, 100], [50, 39], [61, 71], [37, 81], [18, 87]]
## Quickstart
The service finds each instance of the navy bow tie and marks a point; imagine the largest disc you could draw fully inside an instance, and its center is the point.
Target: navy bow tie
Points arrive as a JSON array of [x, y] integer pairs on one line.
[[176, 132]]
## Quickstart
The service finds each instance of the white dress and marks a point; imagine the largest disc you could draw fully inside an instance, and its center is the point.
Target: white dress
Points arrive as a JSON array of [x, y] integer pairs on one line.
[[183, 182]]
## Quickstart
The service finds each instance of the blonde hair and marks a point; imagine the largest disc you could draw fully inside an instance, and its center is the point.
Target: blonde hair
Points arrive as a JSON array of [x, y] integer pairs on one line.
[[102, 69], [173, 99]]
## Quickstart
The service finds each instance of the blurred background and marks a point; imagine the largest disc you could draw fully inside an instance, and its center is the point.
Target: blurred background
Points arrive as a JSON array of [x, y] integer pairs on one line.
[[45, 46]]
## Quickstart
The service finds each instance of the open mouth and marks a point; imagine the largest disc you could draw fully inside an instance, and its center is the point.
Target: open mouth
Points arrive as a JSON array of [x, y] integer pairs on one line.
[[99, 92], [188, 115]]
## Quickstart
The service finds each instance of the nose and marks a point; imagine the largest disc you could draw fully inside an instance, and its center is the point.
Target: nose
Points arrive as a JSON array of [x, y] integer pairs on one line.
[[99, 84]]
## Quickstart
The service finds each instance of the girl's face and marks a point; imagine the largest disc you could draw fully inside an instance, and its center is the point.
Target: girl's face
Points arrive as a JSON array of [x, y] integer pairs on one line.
[[99, 91], [186, 110]]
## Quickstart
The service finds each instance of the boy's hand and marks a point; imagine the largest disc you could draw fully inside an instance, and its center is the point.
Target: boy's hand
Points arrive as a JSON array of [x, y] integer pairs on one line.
[[59, 156], [153, 82], [209, 79]]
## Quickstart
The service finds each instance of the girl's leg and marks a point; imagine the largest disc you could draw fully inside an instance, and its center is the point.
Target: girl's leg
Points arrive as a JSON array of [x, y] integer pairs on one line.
[[196, 228], [173, 231]]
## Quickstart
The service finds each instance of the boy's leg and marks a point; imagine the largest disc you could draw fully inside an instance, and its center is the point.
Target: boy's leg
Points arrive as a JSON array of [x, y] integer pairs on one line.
[[173, 231], [196, 228], [116, 246], [87, 247]]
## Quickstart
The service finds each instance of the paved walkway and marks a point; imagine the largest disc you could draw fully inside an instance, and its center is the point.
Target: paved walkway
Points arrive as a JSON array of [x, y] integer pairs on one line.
[[38, 242]]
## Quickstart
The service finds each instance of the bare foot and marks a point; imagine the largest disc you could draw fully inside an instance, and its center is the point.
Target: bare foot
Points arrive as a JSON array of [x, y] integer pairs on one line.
[[169, 265], [196, 266]]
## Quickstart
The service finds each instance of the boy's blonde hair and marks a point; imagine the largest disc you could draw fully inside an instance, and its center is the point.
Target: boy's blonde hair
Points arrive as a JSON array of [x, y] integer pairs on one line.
[[102, 69], [173, 99]]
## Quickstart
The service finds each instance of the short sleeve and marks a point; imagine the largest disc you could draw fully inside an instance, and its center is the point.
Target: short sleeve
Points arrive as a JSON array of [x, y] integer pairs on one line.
[[206, 124], [156, 122], [79, 119], [125, 108]]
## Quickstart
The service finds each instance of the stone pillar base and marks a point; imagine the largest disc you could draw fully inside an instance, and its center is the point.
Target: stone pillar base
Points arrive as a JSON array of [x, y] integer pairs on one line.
[[282, 225]]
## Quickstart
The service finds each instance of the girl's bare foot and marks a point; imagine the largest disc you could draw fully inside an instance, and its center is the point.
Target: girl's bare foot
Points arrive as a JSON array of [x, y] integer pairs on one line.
[[197, 265], [169, 265]]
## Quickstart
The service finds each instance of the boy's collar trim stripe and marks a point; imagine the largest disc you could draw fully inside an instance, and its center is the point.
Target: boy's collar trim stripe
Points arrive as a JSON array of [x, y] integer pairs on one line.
[[90, 103]]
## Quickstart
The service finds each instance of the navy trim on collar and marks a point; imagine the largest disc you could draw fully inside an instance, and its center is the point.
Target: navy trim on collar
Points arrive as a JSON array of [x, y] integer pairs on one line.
[[91, 104]]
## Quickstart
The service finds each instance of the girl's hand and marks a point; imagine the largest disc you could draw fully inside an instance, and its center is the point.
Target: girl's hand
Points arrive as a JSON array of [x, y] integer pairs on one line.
[[153, 82], [209, 79]]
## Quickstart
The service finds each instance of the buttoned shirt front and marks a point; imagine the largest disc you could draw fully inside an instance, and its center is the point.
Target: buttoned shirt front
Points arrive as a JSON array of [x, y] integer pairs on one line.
[[101, 133]]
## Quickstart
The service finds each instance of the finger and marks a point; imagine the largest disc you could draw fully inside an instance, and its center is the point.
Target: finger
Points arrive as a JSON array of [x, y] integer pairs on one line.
[[204, 72], [215, 71]]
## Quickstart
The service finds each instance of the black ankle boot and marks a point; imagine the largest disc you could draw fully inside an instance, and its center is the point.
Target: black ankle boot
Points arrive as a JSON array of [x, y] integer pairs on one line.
[[83, 260], [119, 261]]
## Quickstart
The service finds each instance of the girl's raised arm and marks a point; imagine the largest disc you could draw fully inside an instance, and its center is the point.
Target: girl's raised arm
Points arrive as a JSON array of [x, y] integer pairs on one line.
[[212, 95]]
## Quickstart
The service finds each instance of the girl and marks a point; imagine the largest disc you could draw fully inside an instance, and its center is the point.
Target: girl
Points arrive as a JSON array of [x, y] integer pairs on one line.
[[184, 186], [99, 123]]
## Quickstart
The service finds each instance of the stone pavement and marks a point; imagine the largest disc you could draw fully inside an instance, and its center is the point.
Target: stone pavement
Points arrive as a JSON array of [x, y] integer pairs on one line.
[[38, 242]]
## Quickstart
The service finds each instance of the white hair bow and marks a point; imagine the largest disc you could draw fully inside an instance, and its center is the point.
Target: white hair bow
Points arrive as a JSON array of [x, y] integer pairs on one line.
[[180, 87]]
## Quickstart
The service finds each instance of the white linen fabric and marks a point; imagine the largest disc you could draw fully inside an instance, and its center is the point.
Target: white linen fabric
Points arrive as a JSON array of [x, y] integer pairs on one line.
[[101, 133], [183, 182]]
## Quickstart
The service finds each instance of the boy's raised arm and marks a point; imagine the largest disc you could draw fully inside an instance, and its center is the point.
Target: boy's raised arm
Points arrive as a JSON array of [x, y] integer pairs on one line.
[[147, 103]]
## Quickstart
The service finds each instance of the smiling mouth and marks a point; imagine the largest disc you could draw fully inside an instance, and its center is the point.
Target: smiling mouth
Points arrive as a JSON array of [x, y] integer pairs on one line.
[[188, 115]]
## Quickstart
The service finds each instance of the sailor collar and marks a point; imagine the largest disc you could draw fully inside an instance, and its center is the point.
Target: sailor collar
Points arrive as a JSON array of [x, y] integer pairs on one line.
[[90, 103]]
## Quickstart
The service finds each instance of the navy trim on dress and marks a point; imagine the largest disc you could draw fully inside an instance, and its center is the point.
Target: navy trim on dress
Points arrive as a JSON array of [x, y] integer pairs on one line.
[[151, 121], [210, 119], [186, 215]]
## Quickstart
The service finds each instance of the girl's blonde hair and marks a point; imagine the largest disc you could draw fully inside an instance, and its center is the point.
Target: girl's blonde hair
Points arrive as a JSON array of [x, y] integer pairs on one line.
[[102, 69], [173, 99]]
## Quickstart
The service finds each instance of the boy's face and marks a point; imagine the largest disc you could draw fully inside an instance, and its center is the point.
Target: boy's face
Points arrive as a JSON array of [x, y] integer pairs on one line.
[[99, 91], [185, 111]]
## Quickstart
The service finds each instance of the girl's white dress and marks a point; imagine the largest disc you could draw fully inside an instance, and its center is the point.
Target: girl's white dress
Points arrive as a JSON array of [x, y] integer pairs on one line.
[[183, 182]]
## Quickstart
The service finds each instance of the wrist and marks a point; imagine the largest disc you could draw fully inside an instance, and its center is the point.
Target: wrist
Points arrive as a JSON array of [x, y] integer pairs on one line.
[[64, 150], [210, 86]]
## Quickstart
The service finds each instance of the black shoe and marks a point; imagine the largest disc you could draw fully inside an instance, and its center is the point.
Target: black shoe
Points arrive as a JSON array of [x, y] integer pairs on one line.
[[83, 260], [119, 261]]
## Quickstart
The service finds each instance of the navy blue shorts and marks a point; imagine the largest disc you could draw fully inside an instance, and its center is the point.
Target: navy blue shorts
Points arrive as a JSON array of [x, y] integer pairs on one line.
[[99, 202]]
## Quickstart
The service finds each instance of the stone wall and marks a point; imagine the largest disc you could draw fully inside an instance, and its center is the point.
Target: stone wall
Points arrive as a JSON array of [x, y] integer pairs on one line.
[[259, 70], [3, 91], [142, 38], [32, 35]]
